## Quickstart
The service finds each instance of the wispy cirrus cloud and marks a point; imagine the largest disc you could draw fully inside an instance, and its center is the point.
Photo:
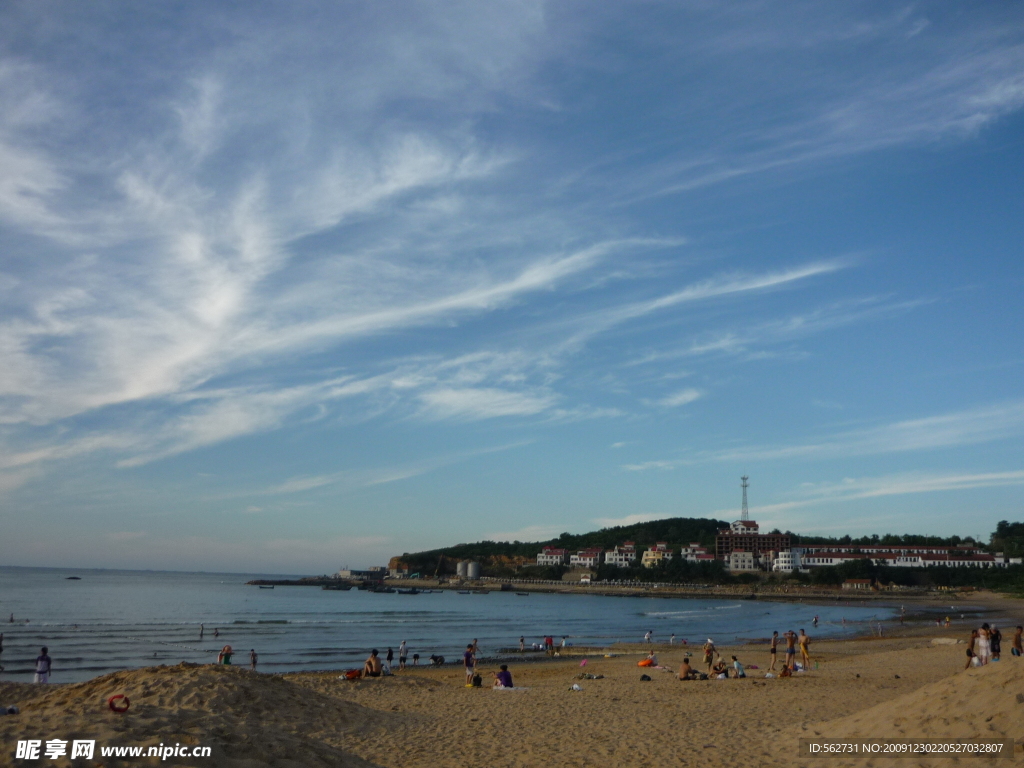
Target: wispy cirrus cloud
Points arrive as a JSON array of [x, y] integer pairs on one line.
[[968, 427]]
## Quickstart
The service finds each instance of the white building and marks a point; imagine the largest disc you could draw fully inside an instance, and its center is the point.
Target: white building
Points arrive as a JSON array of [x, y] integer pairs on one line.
[[586, 558], [786, 561], [622, 556], [553, 556], [740, 560], [693, 552]]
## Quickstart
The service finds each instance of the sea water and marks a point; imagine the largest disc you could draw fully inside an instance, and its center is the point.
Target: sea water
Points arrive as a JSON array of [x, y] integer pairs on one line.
[[110, 620]]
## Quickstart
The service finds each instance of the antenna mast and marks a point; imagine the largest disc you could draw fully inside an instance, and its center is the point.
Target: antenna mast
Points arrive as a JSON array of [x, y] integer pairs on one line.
[[744, 513]]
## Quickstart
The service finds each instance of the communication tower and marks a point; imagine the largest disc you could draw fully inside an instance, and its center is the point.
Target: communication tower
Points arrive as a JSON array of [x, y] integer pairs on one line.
[[744, 513]]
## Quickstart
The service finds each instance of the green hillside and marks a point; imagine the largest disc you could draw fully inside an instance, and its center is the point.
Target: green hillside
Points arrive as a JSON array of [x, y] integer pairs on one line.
[[677, 531]]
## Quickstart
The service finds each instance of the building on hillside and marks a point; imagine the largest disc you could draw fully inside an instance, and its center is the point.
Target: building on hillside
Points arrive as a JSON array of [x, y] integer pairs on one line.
[[693, 551], [786, 561], [745, 536], [553, 556], [967, 558], [656, 554], [587, 558], [622, 556], [739, 560]]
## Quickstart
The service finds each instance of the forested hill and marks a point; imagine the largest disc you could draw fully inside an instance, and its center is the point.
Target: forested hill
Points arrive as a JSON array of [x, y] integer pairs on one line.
[[677, 531]]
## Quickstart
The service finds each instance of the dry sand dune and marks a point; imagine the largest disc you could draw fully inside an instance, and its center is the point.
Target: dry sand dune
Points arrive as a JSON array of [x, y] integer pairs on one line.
[[976, 704], [250, 720]]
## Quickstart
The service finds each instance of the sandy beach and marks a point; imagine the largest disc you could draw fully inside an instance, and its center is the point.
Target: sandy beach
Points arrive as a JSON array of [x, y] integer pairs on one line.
[[905, 686]]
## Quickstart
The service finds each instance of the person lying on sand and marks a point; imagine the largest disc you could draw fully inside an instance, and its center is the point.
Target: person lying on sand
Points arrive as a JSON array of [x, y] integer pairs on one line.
[[372, 667], [503, 679]]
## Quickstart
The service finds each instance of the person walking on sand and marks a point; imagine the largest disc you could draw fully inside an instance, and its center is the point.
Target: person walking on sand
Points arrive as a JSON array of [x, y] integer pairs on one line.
[[790, 649], [1018, 644], [672, 639], [774, 650], [805, 657], [390, 657], [403, 654], [522, 643], [253, 659], [709, 654], [469, 662], [44, 665], [982, 649]]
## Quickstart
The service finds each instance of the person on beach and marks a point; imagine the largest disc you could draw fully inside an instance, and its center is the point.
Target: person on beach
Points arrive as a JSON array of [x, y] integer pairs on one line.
[[672, 639], [253, 658], [774, 650], [790, 649], [815, 621], [709, 654], [201, 630], [469, 662], [372, 666], [403, 654], [686, 672], [982, 649], [805, 657], [738, 669], [390, 658], [564, 639], [995, 642], [647, 637], [1017, 649], [522, 643], [971, 644], [503, 678], [476, 647], [44, 665], [216, 632], [719, 671], [415, 659], [435, 660], [224, 657]]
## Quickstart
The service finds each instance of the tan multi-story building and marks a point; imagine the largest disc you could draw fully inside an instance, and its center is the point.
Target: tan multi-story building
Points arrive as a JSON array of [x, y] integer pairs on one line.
[[745, 536]]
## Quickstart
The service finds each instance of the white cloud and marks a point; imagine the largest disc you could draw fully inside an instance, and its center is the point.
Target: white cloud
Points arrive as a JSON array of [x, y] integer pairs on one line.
[[483, 403], [682, 397]]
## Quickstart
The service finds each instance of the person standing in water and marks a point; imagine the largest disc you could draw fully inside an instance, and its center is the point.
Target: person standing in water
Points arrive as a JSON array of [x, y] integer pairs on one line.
[[44, 665], [403, 654], [253, 658], [201, 630], [522, 643]]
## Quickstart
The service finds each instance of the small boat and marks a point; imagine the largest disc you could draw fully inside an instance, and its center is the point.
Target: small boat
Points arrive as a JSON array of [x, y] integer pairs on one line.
[[465, 592], [412, 591], [73, 578], [265, 587], [522, 594]]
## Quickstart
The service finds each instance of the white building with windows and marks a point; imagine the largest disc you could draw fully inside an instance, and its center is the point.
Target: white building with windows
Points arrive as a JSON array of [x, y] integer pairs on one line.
[[586, 558], [622, 556], [553, 556], [740, 560], [786, 561]]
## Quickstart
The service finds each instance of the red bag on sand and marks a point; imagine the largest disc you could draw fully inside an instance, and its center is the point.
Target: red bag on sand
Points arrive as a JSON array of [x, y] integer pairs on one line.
[[353, 674]]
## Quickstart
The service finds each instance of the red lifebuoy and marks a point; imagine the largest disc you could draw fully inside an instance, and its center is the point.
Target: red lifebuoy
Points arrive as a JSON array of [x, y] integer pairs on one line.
[[122, 706]]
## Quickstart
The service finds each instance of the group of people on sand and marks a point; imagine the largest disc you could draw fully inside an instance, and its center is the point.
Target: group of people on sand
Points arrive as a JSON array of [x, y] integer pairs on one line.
[[792, 640], [374, 666], [985, 645]]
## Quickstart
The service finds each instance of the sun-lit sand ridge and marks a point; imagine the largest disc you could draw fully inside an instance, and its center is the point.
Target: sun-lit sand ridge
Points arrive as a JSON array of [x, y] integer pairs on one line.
[[426, 717]]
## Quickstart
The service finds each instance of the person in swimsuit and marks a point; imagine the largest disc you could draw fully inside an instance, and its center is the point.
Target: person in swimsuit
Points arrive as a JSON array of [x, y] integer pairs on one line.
[[372, 667], [774, 650], [805, 657], [403, 654], [224, 657], [44, 665], [390, 658], [790, 649], [253, 658], [1017, 649], [686, 672]]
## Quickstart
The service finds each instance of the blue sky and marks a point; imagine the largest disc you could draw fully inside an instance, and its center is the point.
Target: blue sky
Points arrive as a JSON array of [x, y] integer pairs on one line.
[[285, 287]]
